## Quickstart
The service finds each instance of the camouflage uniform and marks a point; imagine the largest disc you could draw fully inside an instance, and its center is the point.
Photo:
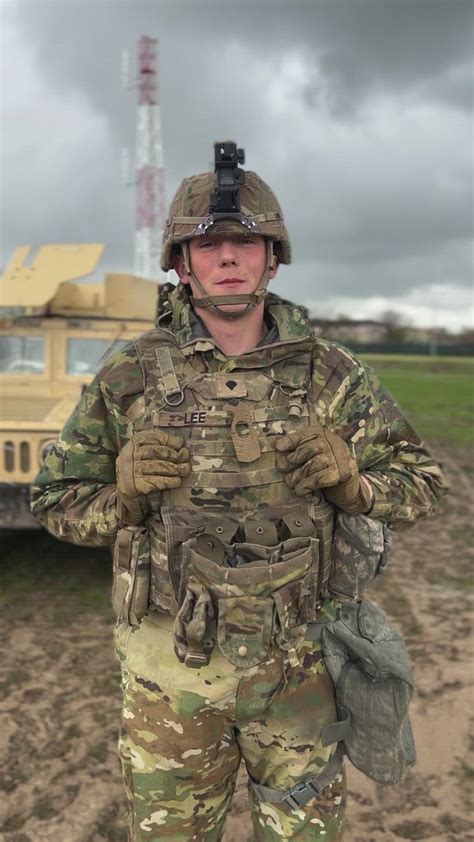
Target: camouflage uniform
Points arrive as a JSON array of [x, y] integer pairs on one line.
[[184, 731]]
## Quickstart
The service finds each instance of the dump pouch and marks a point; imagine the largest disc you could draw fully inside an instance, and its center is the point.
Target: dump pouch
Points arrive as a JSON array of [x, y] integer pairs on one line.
[[131, 574], [369, 665], [241, 607], [360, 552]]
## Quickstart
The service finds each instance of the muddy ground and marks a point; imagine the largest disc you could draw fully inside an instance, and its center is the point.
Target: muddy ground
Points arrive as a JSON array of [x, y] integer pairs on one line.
[[59, 689]]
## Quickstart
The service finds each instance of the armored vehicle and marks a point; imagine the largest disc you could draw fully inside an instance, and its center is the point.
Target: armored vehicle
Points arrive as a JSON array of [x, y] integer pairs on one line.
[[54, 334]]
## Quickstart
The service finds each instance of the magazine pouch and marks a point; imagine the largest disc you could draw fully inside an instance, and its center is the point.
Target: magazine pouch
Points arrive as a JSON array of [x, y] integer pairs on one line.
[[131, 574]]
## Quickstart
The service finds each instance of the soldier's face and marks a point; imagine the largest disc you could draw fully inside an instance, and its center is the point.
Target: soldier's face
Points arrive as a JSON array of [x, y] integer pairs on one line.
[[225, 266]]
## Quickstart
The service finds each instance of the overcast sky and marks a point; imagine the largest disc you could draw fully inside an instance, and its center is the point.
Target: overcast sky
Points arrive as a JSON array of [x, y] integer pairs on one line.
[[357, 112]]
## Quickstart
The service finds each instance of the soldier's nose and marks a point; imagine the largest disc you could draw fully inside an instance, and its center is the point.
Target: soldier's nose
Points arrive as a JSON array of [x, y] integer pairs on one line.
[[227, 252]]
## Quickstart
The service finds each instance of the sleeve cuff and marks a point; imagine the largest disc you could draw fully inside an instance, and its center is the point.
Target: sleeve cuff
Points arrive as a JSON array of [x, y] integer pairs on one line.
[[132, 510]]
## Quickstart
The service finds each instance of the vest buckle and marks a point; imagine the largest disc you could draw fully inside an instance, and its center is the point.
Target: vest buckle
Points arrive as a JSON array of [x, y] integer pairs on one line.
[[196, 660]]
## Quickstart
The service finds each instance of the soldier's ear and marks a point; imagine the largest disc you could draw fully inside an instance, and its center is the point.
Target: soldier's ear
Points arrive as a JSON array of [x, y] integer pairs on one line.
[[179, 268], [274, 267]]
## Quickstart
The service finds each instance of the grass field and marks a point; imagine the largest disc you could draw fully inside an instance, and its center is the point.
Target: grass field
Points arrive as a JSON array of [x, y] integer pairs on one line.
[[74, 578], [436, 393]]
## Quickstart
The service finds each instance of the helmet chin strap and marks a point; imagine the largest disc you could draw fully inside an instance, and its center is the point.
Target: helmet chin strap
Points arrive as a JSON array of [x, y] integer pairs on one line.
[[215, 302]]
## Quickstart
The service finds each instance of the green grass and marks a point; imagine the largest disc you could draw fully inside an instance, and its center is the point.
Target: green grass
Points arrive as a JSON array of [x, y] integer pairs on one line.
[[38, 568], [421, 361], [436, 393]]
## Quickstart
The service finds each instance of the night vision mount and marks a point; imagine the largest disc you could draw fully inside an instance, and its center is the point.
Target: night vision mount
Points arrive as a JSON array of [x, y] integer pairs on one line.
[[224, 202], [226, 197]]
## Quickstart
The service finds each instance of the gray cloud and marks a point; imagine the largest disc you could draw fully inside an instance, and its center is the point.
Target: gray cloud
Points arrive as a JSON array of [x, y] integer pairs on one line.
[[361, 46]]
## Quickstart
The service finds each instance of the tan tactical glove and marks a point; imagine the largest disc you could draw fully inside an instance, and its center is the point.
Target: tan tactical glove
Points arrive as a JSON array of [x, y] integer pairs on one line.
[[150, 461], [316, 458]]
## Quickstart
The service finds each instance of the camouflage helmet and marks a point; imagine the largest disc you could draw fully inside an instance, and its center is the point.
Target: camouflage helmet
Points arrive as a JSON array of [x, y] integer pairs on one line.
[[189, 215]]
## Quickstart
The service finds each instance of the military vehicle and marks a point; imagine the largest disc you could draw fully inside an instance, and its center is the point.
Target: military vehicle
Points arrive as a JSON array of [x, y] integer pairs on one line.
[[54, 334]]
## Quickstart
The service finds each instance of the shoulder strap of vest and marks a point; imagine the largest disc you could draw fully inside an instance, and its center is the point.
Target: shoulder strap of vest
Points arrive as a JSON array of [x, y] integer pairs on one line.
[[173, 391], [163, 366]]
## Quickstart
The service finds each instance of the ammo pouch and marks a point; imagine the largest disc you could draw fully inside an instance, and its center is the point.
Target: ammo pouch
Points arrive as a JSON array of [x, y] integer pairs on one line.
[[369, 665], [360, 551], [131, 574]]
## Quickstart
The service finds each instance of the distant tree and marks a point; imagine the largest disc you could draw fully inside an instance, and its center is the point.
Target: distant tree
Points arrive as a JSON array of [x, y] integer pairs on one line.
[[466, 335], [396, 326]]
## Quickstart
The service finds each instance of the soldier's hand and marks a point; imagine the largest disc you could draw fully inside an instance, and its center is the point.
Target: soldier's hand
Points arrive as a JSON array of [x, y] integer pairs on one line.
[[151, 461], [317, 458]]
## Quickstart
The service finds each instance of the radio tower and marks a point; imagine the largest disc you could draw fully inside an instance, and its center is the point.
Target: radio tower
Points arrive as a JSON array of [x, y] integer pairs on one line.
[[151, 203]]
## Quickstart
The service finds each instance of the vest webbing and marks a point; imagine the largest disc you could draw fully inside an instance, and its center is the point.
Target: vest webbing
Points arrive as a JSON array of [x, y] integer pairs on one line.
[[229, 422]]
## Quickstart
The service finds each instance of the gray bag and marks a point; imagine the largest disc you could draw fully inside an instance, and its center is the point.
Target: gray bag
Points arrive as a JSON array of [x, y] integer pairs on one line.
[[369, 665]]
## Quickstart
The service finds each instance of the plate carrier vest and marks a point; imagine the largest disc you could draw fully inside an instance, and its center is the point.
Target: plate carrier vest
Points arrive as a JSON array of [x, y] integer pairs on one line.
[[234, 537]]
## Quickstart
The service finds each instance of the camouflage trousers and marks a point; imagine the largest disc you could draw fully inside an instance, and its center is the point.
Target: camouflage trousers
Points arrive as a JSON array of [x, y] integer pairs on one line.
[[185, 731]]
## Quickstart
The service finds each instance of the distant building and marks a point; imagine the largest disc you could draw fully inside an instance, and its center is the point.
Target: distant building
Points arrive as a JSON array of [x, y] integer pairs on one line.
[[384, 335], [347, 330]]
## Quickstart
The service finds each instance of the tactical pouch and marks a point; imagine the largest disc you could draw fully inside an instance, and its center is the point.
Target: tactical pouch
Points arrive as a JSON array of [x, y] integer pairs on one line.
[[359, 553], [162, 594], [131, 574], [194, 626], [244, 629], [251, 602], [369, 665]]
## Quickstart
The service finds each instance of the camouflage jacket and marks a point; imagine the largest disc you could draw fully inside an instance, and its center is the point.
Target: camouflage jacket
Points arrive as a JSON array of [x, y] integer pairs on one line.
[[74, 494]]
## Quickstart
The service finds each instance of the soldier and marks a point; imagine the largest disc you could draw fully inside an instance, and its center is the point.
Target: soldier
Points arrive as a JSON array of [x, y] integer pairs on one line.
[[218, 453]]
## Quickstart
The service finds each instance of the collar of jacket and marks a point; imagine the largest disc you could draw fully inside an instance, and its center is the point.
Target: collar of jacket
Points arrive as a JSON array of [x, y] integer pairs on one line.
[[290, 320]]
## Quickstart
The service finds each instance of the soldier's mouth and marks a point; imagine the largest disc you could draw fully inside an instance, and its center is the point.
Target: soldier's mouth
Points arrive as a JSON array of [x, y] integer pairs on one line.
[[231, 282]]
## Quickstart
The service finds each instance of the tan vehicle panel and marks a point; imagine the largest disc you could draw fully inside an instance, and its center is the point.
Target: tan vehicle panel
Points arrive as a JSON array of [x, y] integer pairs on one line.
[[38, 395], [54, 335]]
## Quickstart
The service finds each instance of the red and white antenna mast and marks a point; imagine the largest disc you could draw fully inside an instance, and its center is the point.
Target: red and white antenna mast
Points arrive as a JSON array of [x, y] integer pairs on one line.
[[151, 202]]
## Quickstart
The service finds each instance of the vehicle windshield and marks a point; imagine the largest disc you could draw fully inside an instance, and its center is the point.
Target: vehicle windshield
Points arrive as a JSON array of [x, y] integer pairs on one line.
[[85, 355], [22, 355]]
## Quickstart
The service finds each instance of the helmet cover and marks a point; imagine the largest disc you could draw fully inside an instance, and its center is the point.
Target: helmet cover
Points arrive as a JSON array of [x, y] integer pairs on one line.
[[189, 215]]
